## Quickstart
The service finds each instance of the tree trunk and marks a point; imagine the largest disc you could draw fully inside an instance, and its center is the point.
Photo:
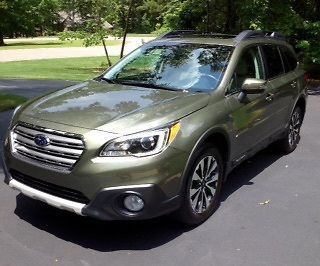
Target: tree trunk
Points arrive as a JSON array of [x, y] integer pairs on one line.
[[106, 51], [208, 16], [231, 19], [1, 39], [317, 10], [126, 28]]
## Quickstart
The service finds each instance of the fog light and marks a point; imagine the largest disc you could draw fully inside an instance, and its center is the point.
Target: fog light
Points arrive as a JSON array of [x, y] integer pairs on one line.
[[133, 203]]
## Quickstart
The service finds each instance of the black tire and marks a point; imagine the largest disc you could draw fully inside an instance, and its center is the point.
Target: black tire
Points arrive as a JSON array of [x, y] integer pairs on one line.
[[190, 212], [289, 143]]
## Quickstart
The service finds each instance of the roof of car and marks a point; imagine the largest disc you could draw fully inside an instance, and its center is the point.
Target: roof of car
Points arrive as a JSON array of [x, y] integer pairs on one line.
[[251, 36]]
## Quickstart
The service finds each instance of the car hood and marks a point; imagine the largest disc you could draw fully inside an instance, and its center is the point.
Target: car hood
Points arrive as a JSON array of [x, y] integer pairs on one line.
[[113, 107]]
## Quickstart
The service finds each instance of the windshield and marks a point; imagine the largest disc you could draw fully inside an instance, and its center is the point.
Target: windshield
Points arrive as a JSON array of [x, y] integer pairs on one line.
[[196, 67]]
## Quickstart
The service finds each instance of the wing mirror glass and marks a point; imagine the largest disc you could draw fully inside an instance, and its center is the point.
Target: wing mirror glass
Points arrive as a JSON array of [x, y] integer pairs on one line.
[[253, 86]]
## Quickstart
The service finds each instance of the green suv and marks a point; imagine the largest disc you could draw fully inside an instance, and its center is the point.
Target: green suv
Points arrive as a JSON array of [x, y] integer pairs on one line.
[[159, 131]]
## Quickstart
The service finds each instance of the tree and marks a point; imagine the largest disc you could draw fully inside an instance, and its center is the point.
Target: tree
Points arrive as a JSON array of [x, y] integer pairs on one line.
[[27, 17], [125, 30], [123, 18], [93, 29], [3, 10]]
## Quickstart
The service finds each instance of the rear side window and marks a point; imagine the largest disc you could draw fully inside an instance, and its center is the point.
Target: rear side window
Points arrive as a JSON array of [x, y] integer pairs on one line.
[[273, 61], [289, 59]]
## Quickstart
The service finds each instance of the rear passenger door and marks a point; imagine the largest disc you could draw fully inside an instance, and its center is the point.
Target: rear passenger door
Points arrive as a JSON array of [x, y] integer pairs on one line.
[[291, 78], [282, 82]]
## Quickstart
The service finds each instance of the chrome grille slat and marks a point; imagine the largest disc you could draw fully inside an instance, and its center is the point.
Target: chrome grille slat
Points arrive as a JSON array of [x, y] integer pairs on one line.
[[43, 160], [53, 138], [46, 151], [62, 152], [44, 155], [65, 151]]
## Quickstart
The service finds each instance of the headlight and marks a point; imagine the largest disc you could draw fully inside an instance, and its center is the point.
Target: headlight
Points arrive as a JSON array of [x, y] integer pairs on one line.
[[141, 144]]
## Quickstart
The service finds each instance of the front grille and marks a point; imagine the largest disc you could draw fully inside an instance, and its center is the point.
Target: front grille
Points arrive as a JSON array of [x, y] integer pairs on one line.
[[49, 188], [62, 152]]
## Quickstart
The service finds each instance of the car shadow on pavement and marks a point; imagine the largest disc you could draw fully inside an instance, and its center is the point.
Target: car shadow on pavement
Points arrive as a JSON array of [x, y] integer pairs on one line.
[[243, 174], [127, 235], [98, 235]]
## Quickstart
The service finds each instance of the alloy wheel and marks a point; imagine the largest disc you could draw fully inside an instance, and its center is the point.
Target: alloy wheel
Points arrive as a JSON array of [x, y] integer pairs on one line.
[[294, 128], [204, 184]]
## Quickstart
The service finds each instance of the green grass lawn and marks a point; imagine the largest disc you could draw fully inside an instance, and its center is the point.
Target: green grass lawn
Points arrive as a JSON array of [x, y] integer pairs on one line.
[[49, 44], [8, 101], [65, 69]]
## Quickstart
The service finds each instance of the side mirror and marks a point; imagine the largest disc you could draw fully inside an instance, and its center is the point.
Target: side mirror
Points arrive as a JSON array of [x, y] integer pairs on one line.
[[253, 86]]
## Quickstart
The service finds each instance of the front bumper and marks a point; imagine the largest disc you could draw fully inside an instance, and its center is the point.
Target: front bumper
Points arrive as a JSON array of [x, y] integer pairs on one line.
[[108, 204], [160, 197]]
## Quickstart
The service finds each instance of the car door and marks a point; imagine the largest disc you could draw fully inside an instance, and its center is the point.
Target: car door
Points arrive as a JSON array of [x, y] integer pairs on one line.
[[249, 119], [291, 81], [283, 85]]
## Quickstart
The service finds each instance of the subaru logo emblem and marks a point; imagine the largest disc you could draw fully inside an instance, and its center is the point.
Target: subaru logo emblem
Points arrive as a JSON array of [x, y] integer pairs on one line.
[[41, 140]]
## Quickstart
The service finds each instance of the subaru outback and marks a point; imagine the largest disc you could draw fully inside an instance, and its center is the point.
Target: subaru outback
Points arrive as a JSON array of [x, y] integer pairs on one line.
[[160, 131]]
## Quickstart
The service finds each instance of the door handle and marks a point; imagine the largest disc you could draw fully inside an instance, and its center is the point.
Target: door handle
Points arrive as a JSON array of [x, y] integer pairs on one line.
[[269, 97], [293, 84]]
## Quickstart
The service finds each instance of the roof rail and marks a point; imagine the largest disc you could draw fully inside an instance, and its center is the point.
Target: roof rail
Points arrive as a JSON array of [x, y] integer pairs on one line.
[[193, 33], [250, 34], [177, 33], [244, 35]]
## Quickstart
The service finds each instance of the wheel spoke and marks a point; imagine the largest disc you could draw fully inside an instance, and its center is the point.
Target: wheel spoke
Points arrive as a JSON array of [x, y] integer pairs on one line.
[[196, 177], [206, 167], [212, 168], [212, 178], [200, 202], [194, 201], [194, 191], [212, 188], [203, 168], [206, 200]]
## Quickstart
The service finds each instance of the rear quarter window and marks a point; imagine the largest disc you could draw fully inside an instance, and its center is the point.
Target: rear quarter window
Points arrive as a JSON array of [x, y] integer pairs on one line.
[[273, 61]]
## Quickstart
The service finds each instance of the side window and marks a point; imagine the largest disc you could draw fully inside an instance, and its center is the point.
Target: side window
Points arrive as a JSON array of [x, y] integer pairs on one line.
[[273, 61], [250, 65], [289, 59]]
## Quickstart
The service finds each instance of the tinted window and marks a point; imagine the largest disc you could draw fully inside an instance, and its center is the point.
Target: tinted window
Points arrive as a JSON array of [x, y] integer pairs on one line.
[[273, 61], [250, 65], [289, 59], [197, 67]]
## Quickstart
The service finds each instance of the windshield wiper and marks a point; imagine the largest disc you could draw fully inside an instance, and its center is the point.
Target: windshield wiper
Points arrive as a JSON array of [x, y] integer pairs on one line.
[[146, 85]]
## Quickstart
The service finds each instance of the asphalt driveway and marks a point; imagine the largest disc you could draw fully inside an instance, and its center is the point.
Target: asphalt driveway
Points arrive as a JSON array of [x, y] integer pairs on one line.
[[269, 215]]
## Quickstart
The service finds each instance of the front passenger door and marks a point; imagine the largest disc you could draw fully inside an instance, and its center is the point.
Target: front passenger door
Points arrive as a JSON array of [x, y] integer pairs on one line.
[[249, 119]]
